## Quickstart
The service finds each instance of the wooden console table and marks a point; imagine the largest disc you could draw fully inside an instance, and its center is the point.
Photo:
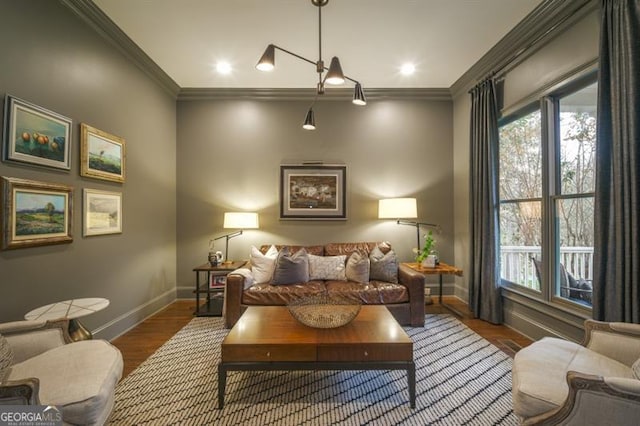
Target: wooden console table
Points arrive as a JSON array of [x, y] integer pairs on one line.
[[440, 270]]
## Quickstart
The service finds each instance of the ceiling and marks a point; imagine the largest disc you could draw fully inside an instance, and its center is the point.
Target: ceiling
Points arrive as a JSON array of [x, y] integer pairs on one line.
[[372, 38]]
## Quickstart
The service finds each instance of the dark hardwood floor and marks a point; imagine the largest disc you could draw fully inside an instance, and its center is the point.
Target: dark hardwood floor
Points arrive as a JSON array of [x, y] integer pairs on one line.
[[143, 340]]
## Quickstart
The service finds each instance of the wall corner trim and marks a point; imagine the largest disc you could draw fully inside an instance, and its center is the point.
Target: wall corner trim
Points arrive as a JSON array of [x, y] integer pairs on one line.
[[103, 25]]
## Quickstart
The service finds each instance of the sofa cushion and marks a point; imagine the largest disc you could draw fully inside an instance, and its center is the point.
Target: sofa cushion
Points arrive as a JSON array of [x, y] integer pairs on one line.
[[327, 267], [6, 358], [636, 369], [280, 295], [291, 268], [384, 267], [370, 293], [263, 265], [357, 268], [78, 377], [335, 249], [540, 369]]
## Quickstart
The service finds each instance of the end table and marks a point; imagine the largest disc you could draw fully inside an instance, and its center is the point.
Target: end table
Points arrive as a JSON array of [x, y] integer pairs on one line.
[[440, 270], [213, 305], [71, 310]]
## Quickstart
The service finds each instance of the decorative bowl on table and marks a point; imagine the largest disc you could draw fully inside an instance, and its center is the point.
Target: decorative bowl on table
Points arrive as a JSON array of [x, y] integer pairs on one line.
[[322, 311]]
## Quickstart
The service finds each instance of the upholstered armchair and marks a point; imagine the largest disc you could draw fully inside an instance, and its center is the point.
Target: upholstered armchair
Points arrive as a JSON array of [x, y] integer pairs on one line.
[[597, 383], [40, 365]]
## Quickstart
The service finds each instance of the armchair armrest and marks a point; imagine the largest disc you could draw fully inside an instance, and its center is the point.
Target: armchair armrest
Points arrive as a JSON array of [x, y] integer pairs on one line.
[[595, 400], [616, 340], [30, 338], [414, 281], [20, 392]]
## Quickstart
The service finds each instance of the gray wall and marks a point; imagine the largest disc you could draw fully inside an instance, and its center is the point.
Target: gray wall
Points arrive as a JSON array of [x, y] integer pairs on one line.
[[50, 57], [230, 152], [547, 66]]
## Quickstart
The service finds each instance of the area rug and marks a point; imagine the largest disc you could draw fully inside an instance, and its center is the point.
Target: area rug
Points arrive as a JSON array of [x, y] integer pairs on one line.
[[462, 379]]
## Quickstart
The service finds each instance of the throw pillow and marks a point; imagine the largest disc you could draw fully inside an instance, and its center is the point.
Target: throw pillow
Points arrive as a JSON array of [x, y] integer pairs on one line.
[[291, 269], [6, 358], [384, 267], [358, 268], [262, 265], [636, 368], [327, 267]]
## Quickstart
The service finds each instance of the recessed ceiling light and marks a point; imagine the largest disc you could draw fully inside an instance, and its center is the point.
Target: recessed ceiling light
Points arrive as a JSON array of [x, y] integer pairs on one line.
[[408, 68], [223, 67]]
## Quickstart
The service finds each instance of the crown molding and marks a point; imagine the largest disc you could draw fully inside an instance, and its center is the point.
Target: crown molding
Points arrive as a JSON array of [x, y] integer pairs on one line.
[[545, 22], [307, 94], [103, 25]]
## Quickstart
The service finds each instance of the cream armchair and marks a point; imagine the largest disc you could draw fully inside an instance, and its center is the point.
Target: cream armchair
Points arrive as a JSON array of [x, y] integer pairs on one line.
[[560, 382], [40, 365]]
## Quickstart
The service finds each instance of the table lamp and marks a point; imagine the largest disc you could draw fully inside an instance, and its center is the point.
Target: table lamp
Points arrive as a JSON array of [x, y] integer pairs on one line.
[[402, 208], [237, 220]]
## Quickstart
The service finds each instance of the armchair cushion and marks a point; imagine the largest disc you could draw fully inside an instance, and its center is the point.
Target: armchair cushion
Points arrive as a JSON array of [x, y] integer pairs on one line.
[[636, 368], [79, 377], [540, 373]]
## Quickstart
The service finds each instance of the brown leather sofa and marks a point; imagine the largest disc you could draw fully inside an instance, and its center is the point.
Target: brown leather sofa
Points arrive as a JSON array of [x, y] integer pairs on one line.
[[405, 300]]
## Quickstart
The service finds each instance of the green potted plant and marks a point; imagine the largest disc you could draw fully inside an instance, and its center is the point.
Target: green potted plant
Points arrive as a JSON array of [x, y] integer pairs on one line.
[[428, 248]]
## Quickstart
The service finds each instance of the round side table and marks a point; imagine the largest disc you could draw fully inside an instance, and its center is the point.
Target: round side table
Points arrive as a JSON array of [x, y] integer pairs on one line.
[[71, 310]]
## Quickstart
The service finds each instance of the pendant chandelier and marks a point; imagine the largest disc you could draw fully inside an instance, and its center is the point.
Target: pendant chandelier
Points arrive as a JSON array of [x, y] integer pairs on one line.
[[333, 76]]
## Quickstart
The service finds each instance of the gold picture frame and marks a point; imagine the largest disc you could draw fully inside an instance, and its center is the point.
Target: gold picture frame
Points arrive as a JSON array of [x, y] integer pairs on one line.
[[35, 213], [102, 212], [102, 155]]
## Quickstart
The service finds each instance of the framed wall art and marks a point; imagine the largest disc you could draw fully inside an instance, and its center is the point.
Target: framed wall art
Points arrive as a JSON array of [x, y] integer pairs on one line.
[[35, 213], [102, 212], [35, 135], [102, 155], [313, 192]]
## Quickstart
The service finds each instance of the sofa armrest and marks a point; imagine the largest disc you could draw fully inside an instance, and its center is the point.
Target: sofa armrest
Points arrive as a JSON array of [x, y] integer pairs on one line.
[[616, 340], [30, 338], [20, 392], [233, 299], [595, 400], [414, 281]]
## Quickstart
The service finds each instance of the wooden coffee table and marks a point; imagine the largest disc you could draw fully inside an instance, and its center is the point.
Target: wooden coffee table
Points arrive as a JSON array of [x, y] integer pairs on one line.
[[269, 338]]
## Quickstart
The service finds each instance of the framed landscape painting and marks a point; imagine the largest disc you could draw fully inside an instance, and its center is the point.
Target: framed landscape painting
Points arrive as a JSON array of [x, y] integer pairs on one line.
[[102, 155], [35, 135], [35, 213], [313, 192], [102, 212]]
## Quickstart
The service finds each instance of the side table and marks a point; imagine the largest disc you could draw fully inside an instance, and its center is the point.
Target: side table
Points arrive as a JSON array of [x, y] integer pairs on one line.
[[440, 270], [211, 307], [71, 310]]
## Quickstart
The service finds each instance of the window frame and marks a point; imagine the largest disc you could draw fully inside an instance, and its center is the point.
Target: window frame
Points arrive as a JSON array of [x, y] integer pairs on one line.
[[548, 103]]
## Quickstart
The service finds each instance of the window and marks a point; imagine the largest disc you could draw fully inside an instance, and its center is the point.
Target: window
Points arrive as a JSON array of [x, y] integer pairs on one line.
[[546, 181]]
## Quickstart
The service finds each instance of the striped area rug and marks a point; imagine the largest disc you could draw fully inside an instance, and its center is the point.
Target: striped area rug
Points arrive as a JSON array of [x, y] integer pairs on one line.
[[462, 379]]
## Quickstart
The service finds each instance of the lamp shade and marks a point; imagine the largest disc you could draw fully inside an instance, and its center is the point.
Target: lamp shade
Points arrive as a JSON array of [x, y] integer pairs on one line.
[[335, 75], [397, 208], [358, 95], [309, 121], [240, 220], [268, 59]]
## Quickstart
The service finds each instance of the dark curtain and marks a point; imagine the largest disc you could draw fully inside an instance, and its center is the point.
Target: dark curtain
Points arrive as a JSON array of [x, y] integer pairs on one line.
[[617, 212], [484, 285]]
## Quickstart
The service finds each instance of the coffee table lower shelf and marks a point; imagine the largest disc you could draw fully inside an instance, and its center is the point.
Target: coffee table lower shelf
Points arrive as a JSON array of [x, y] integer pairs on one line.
[[408, 366]]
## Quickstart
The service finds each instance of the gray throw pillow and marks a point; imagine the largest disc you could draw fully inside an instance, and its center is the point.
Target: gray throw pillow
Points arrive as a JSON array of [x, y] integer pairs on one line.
[[358, 268], [291, 269], [384, 267], [6, 358]]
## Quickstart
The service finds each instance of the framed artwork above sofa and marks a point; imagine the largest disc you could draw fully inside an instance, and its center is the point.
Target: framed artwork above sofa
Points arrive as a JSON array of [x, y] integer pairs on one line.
[[313, 192]]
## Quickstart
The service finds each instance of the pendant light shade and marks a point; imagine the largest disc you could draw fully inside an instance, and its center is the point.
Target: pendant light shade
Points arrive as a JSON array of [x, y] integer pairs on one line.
[[268, 60], [358, 95], [309, 121], [335, 75]]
